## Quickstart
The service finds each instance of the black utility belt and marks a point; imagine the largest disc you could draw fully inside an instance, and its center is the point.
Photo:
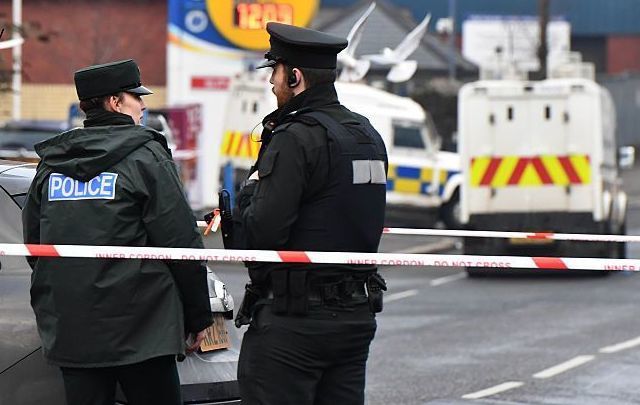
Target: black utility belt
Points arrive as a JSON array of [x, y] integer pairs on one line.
[[291, 292], [328, 292]]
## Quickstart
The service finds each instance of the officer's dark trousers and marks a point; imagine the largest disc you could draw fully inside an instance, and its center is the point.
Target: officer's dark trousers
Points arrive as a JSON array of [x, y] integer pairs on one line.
[[317, 359], [151, 382]]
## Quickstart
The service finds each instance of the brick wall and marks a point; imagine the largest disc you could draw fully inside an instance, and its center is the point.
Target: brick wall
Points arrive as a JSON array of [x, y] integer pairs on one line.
[[86, 32], [623, 54], [80, 33]]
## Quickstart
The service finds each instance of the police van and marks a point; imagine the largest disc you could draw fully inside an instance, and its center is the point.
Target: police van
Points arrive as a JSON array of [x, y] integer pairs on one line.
[[541, 156], [422, 179]]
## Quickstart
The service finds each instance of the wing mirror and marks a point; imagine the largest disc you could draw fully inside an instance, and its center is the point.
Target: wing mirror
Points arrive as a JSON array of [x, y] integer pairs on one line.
[[626, 157]]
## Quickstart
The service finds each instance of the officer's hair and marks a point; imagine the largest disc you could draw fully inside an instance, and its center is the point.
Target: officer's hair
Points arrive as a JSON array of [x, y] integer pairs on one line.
[[99, 102], [313, 76]]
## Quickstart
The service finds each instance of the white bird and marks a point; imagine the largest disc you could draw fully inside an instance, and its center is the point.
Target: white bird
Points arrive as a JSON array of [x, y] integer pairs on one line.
[[11, 43], [352, 68], [402, 69]]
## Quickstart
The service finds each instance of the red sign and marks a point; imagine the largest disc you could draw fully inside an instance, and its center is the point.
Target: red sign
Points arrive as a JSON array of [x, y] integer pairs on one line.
[[210, 82]]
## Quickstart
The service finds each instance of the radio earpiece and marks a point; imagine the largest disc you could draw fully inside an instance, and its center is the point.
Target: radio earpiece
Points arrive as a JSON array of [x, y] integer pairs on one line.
[[292, 80]]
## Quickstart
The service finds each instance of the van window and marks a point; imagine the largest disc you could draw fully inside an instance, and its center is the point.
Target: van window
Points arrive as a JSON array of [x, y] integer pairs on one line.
[[408, 136]]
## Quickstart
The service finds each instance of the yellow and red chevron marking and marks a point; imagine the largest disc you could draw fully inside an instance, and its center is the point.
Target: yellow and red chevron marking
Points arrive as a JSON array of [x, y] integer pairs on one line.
[[239, 144], [530, 171]]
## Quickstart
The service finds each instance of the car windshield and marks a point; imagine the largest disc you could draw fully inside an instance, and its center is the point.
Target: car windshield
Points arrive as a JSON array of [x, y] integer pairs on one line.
[[411, 135]]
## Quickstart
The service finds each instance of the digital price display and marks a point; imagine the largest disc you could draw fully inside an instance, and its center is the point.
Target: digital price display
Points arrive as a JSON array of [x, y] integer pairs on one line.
[[255, 16], [243, 22]]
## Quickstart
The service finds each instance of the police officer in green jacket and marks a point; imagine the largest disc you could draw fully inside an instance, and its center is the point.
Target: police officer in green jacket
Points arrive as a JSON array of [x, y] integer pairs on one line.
[[114, 320], [319, 184]]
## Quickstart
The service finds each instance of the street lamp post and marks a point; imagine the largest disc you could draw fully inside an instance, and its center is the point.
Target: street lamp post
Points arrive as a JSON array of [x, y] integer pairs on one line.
[[16, 85], [452, 40]]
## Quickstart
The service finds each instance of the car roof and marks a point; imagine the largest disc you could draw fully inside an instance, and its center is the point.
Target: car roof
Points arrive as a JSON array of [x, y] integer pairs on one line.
[[15, 177], [37, 125]]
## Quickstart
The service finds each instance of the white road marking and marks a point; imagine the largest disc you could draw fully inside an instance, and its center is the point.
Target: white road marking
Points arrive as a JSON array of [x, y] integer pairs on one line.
[[494, 390], [400, 295], [444, 280], [562, 367], [621, 346]]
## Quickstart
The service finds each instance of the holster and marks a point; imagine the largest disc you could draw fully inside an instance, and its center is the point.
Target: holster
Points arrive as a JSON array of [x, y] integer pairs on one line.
[[226, 219], [298, 299], [375, 287], [279, 287], [251, 295], [289, 292]]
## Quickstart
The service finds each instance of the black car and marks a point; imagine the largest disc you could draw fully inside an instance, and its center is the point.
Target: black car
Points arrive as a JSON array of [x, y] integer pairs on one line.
[[17, 138], [25, 377]]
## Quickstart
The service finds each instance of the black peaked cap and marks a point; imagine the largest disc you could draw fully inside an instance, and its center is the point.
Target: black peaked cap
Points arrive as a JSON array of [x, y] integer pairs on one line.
[[109, 78], [302, 47]]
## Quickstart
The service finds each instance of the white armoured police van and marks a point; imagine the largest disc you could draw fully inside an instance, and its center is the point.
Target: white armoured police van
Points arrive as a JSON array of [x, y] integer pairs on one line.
[[539, 156], [421, 177]]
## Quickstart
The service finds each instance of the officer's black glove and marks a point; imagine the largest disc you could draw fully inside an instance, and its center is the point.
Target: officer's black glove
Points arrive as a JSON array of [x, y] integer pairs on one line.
[[244, 195], [238, 238]]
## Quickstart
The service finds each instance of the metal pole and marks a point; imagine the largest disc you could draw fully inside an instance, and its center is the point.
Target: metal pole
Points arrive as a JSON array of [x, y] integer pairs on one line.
[[452, 40], [16, 85], [543, 10]]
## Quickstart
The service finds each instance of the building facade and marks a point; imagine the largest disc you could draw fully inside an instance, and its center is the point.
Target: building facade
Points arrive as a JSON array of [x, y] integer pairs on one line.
[[65, 35]]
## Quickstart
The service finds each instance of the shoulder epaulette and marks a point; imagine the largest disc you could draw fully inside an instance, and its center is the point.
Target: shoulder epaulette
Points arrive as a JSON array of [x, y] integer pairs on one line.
[[296, 119], [305, 119]]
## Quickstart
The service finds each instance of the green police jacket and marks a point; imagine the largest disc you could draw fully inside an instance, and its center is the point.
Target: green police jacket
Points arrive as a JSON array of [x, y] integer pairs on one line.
[[112, 185]]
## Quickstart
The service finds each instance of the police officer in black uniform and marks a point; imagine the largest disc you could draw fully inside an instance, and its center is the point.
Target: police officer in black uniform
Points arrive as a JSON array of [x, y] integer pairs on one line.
[[319, 184], [113, 182]]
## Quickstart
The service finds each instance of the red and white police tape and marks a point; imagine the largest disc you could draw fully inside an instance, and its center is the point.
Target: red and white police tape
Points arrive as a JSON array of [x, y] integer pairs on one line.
[[515, 235], [382, 259], [499, 234]]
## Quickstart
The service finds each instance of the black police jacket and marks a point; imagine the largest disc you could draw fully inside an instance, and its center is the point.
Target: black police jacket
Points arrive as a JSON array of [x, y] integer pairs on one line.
[[315, 190], [112, 185]]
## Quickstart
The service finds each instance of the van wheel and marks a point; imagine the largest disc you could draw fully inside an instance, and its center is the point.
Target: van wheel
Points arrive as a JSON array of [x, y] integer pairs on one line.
[[450, 212]]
